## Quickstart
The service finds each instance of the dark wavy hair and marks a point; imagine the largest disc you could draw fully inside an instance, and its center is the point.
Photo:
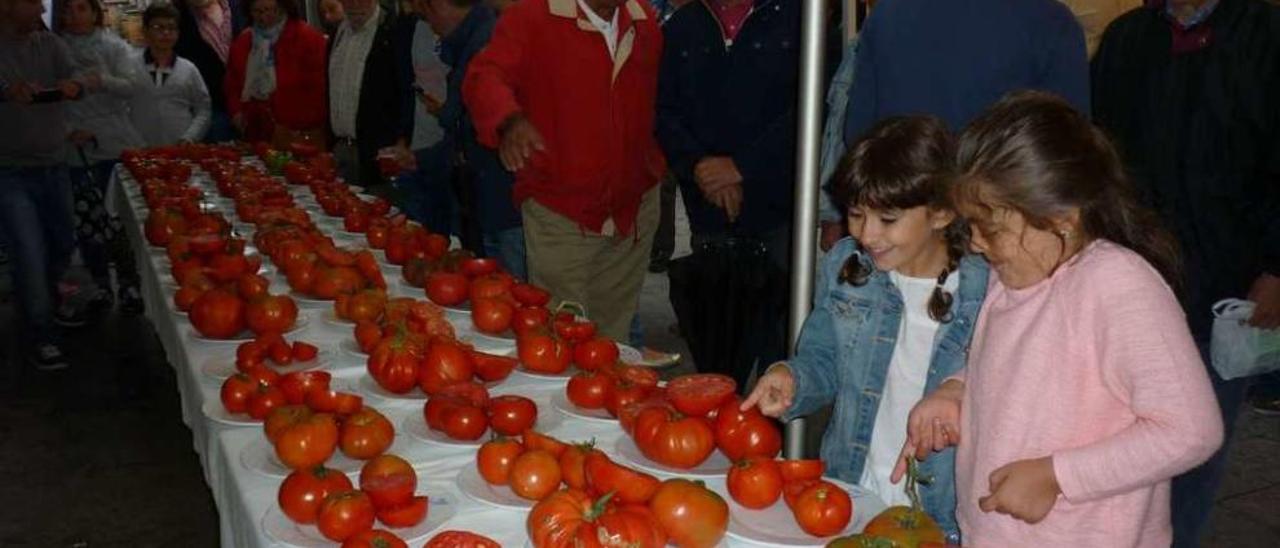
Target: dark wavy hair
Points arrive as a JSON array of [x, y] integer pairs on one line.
[[1034, 153], [902, 162]]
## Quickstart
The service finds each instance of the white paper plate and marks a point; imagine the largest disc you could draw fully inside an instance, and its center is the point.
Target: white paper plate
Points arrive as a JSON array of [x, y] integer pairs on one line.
[[500, 496], [629, 354], [215, 412], [415, 425], [370, 388], [440, 510], [220, 367], [298, 325], [352, 350], [305, 301], [561, 378], [331, 317], [776, 525], [716, 465], [560, 401], [260, 458]]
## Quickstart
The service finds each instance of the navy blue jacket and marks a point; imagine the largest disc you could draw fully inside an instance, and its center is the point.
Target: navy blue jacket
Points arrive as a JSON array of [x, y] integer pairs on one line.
[[734, 100], [497, 211], [953, 59]]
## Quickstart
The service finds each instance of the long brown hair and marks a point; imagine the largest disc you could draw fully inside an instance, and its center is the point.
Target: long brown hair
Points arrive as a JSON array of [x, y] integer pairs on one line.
[[902, 162], [1036, 154]]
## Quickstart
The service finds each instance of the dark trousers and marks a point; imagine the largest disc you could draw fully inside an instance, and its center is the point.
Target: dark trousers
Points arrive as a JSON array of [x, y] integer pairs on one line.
[[36, 229], [664, 241]]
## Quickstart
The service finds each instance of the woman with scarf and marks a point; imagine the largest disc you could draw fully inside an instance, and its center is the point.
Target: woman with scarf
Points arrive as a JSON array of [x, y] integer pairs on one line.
[[275, 84]]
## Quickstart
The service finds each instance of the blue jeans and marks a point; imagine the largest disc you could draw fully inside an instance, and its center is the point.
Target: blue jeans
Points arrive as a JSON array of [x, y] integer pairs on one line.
[[36, 228], [428, 192], [508, 247], [1193, 493]]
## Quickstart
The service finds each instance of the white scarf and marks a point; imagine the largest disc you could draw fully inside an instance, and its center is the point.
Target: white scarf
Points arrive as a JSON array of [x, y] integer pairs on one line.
[[260, 72]]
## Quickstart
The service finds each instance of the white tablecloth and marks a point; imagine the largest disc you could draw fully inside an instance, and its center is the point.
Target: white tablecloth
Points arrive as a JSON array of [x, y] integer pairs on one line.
[[244, 496]]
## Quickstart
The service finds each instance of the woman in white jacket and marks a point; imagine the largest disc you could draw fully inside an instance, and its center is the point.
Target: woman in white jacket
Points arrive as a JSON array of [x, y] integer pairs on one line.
[[100, 130]]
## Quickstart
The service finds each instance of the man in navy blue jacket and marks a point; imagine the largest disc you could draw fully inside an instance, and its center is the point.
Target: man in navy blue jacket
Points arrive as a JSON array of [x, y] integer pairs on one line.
[[953, 59]]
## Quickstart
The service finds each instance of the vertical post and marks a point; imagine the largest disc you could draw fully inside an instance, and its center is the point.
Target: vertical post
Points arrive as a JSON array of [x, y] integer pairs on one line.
[[805, 215]]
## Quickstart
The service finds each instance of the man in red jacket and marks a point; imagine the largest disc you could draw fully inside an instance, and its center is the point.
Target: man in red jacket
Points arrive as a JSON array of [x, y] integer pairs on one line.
[[565, 91]]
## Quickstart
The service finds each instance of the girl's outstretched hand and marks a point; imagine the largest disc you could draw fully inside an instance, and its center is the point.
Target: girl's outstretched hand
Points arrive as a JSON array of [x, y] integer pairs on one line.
[[1024, 489], [933, 425], [774, 391]]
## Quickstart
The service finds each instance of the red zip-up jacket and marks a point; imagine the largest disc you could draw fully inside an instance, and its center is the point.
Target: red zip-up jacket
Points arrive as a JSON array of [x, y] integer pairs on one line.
[[301, 99], [596, 114]]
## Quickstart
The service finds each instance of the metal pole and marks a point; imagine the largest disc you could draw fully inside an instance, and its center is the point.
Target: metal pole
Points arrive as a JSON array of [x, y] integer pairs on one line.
[[805, 215]]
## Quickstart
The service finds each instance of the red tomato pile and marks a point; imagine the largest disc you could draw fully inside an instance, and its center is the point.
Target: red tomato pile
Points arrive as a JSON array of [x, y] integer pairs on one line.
[[463, 410], [820, 508], [401, 360], [326, 498]]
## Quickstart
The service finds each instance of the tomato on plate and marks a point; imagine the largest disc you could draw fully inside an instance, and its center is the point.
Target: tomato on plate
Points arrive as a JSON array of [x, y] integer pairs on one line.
[[529, 320], [535, 474], [595, 354], [672, 439], [374, 538], [495, 458], [691, 514], [304, 352], [536, 440], [823, 509], [492, 367], [303, 491], [741, 434], [389, 480], [345, 514], [464, 422], [460, 539], [801, 469], [445, 362], [366, 434], [236, 391], [755, 482], [447, 288], [271, 314], [491, 315], [588, 389], [573, 464], [405, 515], [308, 443], [545, 354], [332, 401], [603, 476], [699, 393], [530, 295], [511, 415]]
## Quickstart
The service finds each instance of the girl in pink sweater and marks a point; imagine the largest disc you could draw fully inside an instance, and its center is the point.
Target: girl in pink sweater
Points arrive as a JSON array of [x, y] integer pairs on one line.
[[1084, 393]]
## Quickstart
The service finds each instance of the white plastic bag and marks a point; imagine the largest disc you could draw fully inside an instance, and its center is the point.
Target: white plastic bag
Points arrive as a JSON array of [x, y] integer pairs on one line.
[[1238, 349]]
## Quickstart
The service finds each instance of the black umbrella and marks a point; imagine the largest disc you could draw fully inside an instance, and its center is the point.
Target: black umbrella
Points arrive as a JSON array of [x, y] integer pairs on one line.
[[730, 299]]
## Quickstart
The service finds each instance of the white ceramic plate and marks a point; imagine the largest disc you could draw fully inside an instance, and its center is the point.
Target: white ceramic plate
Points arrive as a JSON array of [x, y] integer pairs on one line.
[[560, 401], [370, 388], [215, 412], [246, 335], [716, 465], [562, 378], [310, 302], [260, 457], [331, 317], [440, 510], [500, 496], [220, 367], [415, 425], [776, 525], [352, 350]]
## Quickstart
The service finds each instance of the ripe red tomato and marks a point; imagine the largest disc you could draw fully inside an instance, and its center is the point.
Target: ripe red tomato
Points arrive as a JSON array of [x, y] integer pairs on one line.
[[605, 476], [374, 538], [303, 491], [573, 464], [263, 400], [574, 330], [491, 315], [622, 393], [393, 364], [511, 415], [792, 489], [755, 482], [530, 295], [367, 336], [479, 266], [595, 354], [824, 509], [557, 519], [458, 393], [280, 351], [537, 440], [304, 352], [464, 422], [366, 434], [495, 457], [332, 401], [491, 367], [544, 354], [389, 480], [252, 286], [218, 314], [345, 514], [535, 474], [691, 514], [236, 391], [490, 286], [529, 320], [405, 515], [445, 362], [801, 469], [282, 418], [460, 539], [698, 394], [588, 389], [308, 443], [741, 434], [626, 525], [447, 288], [672, 439]]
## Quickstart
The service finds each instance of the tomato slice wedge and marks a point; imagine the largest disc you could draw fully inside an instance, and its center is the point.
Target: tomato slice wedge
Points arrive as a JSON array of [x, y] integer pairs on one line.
[[698, 394]]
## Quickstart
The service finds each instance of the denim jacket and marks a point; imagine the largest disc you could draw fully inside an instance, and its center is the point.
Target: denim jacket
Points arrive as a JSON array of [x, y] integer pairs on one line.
[[833, 145], [844, 353]]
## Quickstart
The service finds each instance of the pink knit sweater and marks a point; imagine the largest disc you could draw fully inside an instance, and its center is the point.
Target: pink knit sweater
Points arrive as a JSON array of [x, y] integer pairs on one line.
[[1094, 366]]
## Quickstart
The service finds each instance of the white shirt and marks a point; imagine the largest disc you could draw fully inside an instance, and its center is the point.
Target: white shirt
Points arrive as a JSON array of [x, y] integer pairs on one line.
[[172, 103], [903, 385], [346, 70], [608, 28]]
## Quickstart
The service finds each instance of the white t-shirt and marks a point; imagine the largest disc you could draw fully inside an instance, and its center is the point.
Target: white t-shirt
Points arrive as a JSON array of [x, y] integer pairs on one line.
[[904, 384]]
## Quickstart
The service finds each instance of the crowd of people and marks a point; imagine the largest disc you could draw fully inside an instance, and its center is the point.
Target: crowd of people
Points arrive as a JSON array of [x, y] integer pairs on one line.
[[1028, 208]]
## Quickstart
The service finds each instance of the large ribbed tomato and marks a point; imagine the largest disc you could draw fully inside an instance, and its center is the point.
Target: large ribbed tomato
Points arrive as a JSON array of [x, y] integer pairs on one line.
[[366, 434], [691, 514], [218, 314], [302, 493], [667, 437], [308, 443]]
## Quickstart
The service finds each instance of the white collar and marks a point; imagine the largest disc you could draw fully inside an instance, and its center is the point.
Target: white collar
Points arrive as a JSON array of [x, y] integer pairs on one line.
[[597, 21]]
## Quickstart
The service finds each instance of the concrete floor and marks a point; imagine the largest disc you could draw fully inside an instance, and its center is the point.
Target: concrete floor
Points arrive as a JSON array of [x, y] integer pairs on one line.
[[98, 456]]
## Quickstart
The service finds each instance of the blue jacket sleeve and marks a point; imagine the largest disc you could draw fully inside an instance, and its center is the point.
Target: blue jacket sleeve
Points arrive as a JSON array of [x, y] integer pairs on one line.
[[1065, 61], [678, 142], [862, 110], [815, 364]]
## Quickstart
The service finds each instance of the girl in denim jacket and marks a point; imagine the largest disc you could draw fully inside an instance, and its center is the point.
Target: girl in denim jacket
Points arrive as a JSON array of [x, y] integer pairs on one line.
[[893, 313]]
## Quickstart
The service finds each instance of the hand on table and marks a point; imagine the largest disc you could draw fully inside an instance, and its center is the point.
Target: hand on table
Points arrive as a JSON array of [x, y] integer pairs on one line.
[[520, 140], [1024, 489], [933, 425], [774, 392], [1266, 294]]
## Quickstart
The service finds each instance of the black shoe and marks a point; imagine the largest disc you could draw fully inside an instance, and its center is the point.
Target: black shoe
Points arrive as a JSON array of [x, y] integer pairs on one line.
[[130, 300], [70, 315], [48, 357], [101, 300]]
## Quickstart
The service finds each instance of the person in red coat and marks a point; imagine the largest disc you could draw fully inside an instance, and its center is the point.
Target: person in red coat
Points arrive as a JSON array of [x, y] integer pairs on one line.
[[275, 83], [565, 91]]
